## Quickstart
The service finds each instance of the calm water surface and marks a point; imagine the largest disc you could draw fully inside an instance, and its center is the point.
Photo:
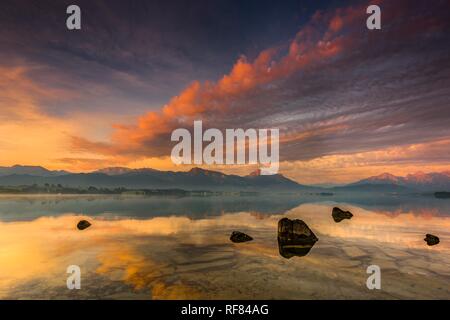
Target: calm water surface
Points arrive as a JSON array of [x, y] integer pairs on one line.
[[179, 248]]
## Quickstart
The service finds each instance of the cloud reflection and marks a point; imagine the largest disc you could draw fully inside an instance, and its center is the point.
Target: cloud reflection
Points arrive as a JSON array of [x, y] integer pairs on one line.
[[178, 257]]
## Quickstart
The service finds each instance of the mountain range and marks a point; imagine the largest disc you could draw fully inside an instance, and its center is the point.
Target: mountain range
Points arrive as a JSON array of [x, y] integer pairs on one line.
[[195, 179], [30, 170], [201, 179], [417, 181]]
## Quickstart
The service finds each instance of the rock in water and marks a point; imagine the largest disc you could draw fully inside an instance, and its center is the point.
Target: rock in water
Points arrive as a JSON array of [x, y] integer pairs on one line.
[[295, 238], [237, 237], [339, 215], [83, 224], [431, 239]]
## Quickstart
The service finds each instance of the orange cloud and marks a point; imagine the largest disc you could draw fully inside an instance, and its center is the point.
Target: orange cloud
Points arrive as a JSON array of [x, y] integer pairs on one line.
[[29, 135], [149, 136]]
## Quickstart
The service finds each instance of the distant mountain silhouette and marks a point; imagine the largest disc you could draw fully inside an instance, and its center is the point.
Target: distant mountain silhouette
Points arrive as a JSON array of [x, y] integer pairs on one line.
[[114, 171], [30, 170], [418, 181], [195, 179], [201, 179]]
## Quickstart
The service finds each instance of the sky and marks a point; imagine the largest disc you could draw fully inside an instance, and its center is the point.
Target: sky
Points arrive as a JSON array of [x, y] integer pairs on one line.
[[349, 102]]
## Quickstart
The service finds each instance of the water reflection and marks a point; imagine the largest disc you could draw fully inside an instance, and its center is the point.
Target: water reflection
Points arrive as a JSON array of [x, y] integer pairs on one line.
[[179, 257], [29, 207]]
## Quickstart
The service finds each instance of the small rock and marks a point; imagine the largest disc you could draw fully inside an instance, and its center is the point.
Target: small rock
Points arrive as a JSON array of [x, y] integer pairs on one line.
[[431, 239], [295, 238], [237, 237], [339, 215], [83, 224]]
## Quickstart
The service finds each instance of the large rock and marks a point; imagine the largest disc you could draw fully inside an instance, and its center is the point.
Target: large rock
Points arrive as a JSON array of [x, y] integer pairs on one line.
[[339, 215], [431, 239], [83, 224], [295, 238], [237, 237]]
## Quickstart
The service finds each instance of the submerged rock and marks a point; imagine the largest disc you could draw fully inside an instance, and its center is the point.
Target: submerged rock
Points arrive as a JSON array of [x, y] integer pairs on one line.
[[431, 239], [237, 237], [83, 224], [339, 215], [295, 238]]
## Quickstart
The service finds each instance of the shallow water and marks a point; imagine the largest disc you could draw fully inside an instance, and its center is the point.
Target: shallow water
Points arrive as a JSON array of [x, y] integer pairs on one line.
[[179, 248]]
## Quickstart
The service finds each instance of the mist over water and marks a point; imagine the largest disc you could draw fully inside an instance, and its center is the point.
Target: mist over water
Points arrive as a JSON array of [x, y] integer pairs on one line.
[[179, 248]]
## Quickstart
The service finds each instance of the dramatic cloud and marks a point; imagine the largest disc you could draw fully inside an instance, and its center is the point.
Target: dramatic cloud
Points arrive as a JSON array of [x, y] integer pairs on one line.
[[337, 88], [30, 135], [339, 93], [133, 56]]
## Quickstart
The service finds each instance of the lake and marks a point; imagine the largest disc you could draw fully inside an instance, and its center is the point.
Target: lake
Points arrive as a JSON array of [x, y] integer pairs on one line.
[[178, 248]]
